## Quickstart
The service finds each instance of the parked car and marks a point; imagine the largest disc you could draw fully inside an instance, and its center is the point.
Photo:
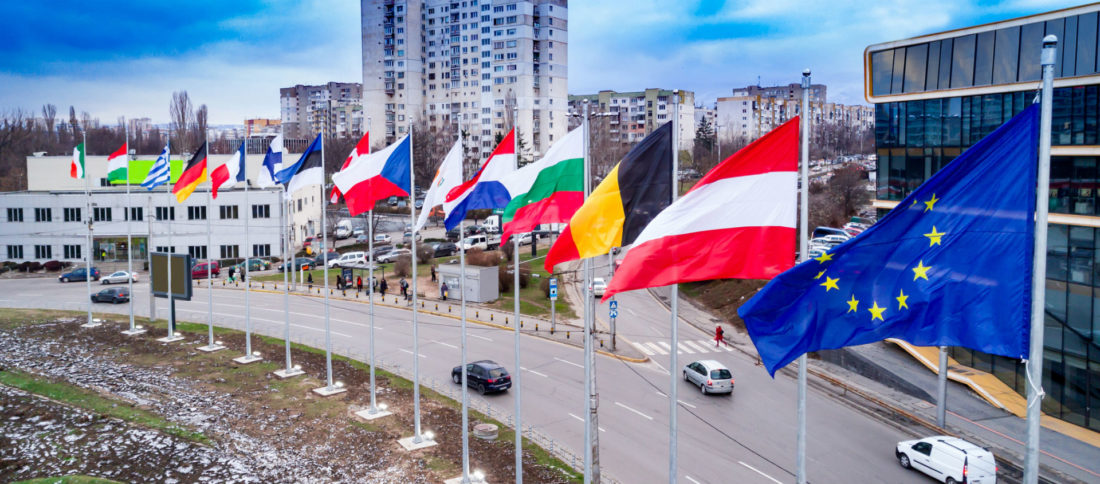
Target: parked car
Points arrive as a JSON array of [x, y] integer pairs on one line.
[[419, 203], [350, 259], [484, 376], [300, 264], [359, 232], [200, 270], [823, 231], [392, 255], [452, 235], [78, 274], [444, 249], [308, 242], [361, 239], [379, 251], [407, 237], [392, 202], [322, 259], [119, 277], [524, 239], [382, 239], [948, 459], [112, 295], [254, 265], [599, 286], [711, 376]]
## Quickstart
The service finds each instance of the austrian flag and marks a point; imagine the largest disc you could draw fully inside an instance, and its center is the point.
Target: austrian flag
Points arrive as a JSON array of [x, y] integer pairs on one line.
[[738, 221]]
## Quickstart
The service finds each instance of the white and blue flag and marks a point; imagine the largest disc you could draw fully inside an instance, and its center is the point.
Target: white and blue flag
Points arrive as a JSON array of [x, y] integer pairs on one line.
[[160, 173]]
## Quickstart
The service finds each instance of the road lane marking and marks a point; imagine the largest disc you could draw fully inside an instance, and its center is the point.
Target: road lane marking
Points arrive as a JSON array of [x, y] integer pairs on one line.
[[410, 352], [479, 337], [692, 480], [666, 347], [700, 347], [445, 344], [643, 349], [632, 410], [582, 420], [663, 394], [776, 481], [535, 372], [684, 348], [657, 349], [685, 403], [568, 362]]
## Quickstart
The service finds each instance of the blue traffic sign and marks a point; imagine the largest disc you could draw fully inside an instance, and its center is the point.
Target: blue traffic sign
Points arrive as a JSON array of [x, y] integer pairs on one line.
[[614, 313], [614, 304], [553, 288]]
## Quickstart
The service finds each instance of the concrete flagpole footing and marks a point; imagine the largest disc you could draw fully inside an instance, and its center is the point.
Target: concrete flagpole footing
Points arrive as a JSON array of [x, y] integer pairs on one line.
[[291, 373], [211, 348], [409, 444], [326, 391], [94, 324], [246, 359], [170, 339], [133, 332], [475, 478], [379, 412]]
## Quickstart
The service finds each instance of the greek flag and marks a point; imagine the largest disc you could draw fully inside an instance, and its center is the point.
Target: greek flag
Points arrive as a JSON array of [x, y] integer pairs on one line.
[[160, 173]]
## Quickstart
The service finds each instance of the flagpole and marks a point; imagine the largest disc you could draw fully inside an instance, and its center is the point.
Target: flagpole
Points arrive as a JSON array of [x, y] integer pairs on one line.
[[417, 438], [324, 260], [515, 304], [803, 247], [129, 234], [169, 211], [88, 202], [462, 297], [591, 470], [674, 298], [1038, 276], [289, 371], [246, 271], [941, 390], [211, 345], [370, 292]]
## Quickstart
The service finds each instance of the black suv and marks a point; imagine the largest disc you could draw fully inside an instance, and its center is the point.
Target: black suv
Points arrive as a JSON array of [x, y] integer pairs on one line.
[[445, 249], [484, 376]]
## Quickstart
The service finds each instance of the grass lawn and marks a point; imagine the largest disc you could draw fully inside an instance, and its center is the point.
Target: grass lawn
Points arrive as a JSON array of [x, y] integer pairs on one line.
[[532, 299]]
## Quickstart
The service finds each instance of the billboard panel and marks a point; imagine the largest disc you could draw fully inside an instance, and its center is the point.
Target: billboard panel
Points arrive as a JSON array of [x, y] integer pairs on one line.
[[181, 275]]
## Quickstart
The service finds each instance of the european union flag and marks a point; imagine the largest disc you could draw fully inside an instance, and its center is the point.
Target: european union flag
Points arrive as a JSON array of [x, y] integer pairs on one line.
[[950, 265]]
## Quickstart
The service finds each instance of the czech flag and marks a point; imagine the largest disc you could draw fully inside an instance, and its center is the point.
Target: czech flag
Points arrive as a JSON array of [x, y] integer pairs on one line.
[[376, 176], [485, 189], [362, 148]]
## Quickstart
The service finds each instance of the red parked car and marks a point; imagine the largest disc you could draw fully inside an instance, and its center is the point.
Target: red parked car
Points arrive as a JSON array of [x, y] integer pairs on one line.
[[200, 269]]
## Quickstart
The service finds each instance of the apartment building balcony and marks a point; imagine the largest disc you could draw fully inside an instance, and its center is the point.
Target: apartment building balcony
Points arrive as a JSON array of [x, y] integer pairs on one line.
[[389, 88]]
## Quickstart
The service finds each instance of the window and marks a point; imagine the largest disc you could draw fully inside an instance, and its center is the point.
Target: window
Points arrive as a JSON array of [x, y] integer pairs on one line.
[[166, 213], [983, 59], [137, 214], [261, 250], [43, 252], [1006, 55], [916, 58], [71, 251], [962, 62], [166, 249], [196, 213], [230, 251], [101, 214], [197, 251], [261, 211], [43, 215], [71, 214], [228, 211], [15, 252], [923, 447], [15, 215]]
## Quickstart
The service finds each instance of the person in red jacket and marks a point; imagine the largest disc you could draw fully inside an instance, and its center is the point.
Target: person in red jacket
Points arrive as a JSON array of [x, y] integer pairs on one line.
[[719, 337]]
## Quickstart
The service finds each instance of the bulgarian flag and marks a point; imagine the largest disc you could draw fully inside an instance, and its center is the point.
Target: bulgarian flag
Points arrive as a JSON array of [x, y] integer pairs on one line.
[[549, 190], [117, 166], [76, 170]]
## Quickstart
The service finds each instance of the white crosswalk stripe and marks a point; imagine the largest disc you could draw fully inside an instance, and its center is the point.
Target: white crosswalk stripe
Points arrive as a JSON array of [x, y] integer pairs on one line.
[[652, 348]]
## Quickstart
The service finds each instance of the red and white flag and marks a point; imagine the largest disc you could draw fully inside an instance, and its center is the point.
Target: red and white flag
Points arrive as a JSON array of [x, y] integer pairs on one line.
[[361, 148], [738, 222]]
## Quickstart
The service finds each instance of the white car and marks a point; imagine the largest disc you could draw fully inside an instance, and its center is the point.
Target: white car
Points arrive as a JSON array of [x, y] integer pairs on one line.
[[119, 277], [525, 239], [350, 259], [382, 239], [711, 376], [599, 286], [948, 459], [392, 255]]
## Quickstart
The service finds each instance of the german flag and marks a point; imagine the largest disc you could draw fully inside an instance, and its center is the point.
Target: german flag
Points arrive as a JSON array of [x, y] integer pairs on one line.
[[635, 191], [193, 174]]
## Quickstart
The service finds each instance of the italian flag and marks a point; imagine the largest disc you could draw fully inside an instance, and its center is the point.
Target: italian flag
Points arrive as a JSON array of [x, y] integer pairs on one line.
[[116, 166], [549, 190], [76, 170]]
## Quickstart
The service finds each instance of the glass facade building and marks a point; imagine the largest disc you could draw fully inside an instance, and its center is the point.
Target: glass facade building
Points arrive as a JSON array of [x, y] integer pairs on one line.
[[937, 95]]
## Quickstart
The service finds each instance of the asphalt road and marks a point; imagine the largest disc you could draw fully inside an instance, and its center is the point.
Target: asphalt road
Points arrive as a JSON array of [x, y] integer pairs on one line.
[[747, 437]]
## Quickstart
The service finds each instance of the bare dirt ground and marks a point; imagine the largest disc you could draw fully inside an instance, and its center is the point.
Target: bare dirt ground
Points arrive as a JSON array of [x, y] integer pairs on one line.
[[259, 428]]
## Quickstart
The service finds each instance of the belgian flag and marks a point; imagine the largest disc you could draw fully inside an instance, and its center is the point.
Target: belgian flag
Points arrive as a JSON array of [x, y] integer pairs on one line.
[[613, 215], [193, 174]]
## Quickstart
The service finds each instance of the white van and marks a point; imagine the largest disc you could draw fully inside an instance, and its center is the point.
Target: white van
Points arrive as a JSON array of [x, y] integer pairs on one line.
[[350, 259], [948, 459], [343, 229]]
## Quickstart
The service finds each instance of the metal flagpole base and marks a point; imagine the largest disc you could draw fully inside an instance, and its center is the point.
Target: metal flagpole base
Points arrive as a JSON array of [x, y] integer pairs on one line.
[[409, 444], [291, 373], [327, 391], [134, 332], [377, 413], [211, 348], [94, 324], [475, 478], [246, 359], [170, 339]]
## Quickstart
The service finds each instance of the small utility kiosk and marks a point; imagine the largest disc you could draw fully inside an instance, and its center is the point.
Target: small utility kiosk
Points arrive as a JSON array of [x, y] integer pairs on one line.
[[482, 283]]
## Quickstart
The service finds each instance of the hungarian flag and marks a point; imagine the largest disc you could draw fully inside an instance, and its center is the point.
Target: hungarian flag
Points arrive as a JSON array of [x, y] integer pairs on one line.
[[737, 222], [118, 166], [485, 189], [230, 172], [376, 176], [549, 190], [635, 191], [193, 174], [76, 170], [361, 148]]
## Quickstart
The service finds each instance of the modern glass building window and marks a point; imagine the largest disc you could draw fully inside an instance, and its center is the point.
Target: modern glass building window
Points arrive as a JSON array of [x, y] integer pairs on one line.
[[937, 96]]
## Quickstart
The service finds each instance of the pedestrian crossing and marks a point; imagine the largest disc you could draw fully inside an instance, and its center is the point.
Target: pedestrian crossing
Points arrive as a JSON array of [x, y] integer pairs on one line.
[[651, 348]]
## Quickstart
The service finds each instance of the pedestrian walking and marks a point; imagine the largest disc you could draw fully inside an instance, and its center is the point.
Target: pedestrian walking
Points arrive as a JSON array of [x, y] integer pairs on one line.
[[404, 288], [443, 291], [359, 284], [231, 271], [382, 286], [339, 282], [433, 272], [719, 337]]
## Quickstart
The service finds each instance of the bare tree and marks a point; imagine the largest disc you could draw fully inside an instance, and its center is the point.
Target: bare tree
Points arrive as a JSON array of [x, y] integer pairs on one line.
[[16, 142], [182, 114], [429, 148], [201, 123], [49, 114], [74, 124]]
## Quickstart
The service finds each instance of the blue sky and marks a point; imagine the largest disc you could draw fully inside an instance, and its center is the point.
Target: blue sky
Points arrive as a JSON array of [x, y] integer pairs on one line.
[[113, 58]]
